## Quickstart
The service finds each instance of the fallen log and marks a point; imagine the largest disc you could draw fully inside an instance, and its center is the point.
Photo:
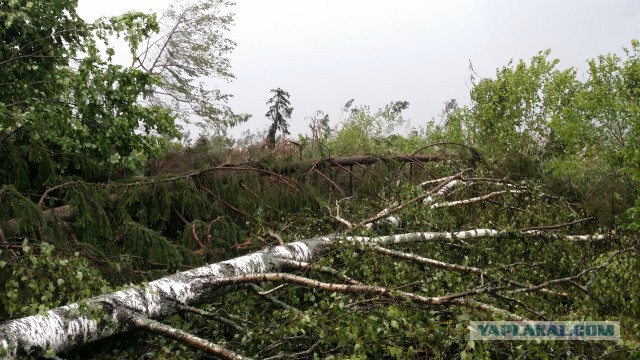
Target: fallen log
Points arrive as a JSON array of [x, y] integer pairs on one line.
[[69, 326], [345, 161], [68, 213]]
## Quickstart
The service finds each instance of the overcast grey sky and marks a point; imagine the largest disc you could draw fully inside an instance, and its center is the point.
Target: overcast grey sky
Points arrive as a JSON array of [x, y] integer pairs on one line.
[[325, 52]]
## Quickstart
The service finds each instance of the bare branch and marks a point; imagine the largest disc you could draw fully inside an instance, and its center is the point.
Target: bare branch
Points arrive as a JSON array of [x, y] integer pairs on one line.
[[523, 305], [475, 199], [215, 317], [440, 187], [324, 269], [297, 355], [557, 226], [427, 261], [267, 292], [258, 290], [183, 337], [455, 267]]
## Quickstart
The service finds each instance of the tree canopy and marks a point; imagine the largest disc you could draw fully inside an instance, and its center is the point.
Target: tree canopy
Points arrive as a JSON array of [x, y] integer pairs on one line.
[[280, 111], [62, 97]]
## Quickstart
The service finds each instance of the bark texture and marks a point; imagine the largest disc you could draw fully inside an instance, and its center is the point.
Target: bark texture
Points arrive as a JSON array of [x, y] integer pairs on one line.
[[69, 326]]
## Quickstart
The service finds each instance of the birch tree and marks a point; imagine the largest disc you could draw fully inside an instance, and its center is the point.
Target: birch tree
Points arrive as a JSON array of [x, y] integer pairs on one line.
[[189, 54]]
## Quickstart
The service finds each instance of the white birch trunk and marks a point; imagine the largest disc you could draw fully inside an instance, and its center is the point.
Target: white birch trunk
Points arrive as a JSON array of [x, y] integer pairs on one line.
[[72, 325]]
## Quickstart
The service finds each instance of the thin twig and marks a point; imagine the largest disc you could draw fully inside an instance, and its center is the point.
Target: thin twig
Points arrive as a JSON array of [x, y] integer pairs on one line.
[[301, 354], [258, 290], [575, 277], [304, 266], [549, 227], [267, 292], [215, 317]]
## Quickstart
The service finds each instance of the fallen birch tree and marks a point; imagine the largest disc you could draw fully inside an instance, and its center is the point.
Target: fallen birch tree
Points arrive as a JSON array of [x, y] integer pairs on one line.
[[61, 329]]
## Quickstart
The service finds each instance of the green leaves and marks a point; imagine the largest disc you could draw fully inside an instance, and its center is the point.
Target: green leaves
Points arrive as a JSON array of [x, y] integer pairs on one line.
[[514, 110], [59, 89], [188, 54], [371, 132], [46, 280]]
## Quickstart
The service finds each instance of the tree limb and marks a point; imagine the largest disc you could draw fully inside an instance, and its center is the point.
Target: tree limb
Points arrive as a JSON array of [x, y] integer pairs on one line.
[[183, 337]]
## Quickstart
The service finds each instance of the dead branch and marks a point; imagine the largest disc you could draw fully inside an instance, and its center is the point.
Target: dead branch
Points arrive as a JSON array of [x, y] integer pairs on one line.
[[215, 317], [224, 202], [330, 181]]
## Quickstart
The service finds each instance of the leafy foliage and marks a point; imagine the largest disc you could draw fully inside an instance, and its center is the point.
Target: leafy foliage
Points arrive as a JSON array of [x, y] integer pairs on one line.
[[576, 136], [366, 132], [38, 278], [61, 96], [189, 53]]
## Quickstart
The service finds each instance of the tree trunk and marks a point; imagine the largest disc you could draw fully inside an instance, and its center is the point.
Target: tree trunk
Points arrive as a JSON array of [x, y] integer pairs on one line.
[[72, 325], [271, 136]]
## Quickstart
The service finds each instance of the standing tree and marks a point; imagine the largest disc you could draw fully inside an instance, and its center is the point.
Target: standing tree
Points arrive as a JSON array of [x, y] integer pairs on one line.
[[279, 111], [189, 52], [62, 100]]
